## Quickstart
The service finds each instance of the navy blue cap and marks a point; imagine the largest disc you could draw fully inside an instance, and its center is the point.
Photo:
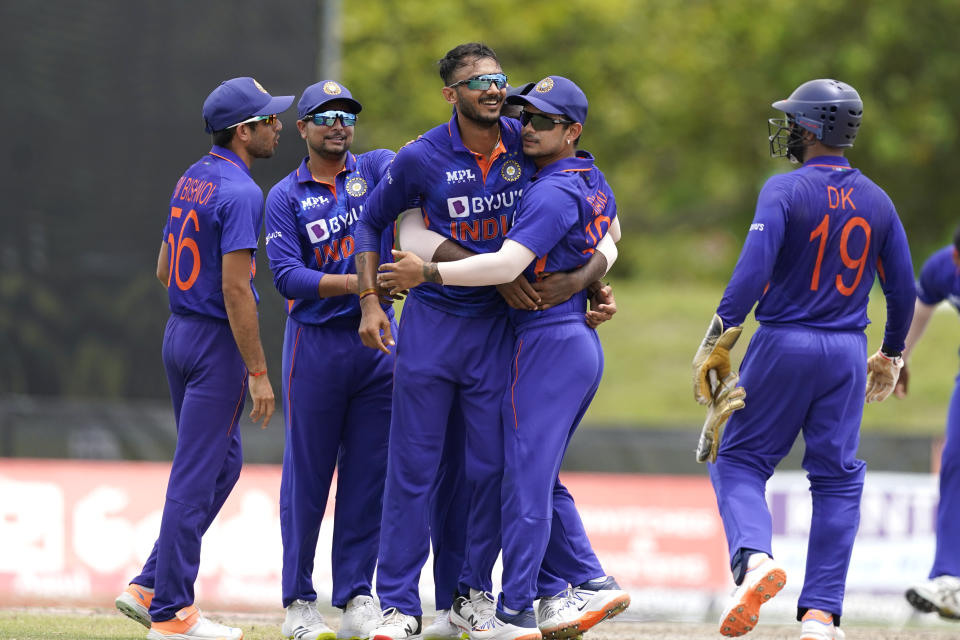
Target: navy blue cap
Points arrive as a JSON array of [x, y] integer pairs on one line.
[[319, 94], [238, 99], [555, 94], [522, 90]]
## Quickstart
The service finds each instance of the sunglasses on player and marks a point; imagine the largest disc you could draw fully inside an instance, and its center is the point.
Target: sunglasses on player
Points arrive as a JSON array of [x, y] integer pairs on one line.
[[329, 118], [540, 121], [483, 82], [270, 120]]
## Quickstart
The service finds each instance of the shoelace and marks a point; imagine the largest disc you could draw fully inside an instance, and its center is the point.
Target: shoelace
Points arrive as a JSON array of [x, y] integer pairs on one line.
[[392, 616], [309, 613], [484, 605], [553, 606]]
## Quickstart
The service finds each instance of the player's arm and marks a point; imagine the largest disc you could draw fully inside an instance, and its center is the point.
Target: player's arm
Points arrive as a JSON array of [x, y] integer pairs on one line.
[[560, 286], [921, 318], [163, 264], [483, 269], [900, 291], [430, 246], [291, 276], [241, 309]]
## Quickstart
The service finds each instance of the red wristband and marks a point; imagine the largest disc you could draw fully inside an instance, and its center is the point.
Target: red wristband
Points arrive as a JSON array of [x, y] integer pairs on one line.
[[257, 373]]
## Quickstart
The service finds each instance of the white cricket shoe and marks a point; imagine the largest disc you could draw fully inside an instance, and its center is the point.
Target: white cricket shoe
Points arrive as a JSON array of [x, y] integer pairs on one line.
[[396, 626], [763, 580], [442, 628], [468, 612], [134, 603], [360, 617], [818, 625], [558, 617], [942, 594], [304, 622], [596, 601], [505, 626], [189, 624]]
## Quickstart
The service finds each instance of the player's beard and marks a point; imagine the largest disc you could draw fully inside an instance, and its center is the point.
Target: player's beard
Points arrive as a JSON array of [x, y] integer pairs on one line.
[[471, 110]]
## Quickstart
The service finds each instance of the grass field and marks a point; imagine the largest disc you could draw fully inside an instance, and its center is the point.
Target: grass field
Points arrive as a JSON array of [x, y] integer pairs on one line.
[[650, 342], [99, 624]]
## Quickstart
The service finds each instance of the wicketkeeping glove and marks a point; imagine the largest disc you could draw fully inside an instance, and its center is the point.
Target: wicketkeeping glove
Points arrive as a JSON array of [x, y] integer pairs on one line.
[[882, 375], [727, 398], [713, 355]]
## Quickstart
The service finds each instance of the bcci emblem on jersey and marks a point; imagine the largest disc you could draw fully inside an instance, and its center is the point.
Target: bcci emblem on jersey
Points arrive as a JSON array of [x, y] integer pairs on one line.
[[356, 186], [510, 171]]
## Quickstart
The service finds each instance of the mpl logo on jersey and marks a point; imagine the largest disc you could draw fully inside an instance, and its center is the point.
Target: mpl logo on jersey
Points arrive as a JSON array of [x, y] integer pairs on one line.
[[461, 175], [463, 206], [312, 202]]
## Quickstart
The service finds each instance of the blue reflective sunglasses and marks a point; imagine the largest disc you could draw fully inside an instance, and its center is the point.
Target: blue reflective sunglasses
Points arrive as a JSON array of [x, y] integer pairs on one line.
[[329, 118], [483, 82]]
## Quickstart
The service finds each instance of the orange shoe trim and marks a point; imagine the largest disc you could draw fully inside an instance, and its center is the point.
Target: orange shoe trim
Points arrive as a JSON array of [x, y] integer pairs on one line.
[[744, 615], [143, 596], [593, 618], [819, 616], [186, 618]]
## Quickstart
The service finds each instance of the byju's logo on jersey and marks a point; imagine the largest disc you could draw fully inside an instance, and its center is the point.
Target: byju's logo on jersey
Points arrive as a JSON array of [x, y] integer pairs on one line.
[[318, 231], [460, 175], [313, 201], [458, 207]]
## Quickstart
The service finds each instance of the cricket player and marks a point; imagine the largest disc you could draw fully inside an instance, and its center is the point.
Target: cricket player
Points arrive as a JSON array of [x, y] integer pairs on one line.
[[336, 392], [939, 281], [563, 219], [211, 349], [820, 235]]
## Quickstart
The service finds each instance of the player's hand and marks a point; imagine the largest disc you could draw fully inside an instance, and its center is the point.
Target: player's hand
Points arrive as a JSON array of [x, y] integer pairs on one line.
[[900, 390], [602, 304], [519, 294], [374, 325], [405, 273], [727, 398], [261, 392], [882, 375], [556, 288], [713, 355]]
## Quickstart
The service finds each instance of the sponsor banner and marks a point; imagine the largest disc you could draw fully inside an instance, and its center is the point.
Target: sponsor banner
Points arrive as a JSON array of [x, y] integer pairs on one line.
[[77, 531]]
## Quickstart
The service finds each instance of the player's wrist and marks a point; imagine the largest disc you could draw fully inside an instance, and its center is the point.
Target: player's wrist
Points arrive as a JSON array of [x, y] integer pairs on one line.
[[890, 353]]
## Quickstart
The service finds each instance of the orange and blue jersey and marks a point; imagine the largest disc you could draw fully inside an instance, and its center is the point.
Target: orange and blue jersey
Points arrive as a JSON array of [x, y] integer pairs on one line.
[[311, 231], [940, 279], [820, 235], [566, 209], [462, 197], [216, 208]]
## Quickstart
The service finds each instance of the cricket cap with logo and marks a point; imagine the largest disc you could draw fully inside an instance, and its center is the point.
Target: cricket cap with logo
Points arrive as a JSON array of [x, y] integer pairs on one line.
[[238, 99], [555, 94], [319, 94]]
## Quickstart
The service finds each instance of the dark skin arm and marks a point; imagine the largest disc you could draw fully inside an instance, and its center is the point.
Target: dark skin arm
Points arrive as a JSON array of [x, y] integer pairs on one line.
[[374, 324]]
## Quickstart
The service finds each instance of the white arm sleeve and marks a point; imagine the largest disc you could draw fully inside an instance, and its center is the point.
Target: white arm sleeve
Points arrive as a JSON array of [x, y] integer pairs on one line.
[[608, 248], [614, 229], [413, 235], [488, 268]]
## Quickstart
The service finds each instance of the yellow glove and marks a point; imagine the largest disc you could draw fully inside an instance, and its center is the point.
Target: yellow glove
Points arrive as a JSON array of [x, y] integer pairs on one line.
[[713, 355], [727, 398], [882, 375]]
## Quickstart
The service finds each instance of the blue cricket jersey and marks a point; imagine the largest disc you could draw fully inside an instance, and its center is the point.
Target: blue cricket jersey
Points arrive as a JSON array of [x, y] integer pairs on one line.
[[310, 228], [460, 199], [567, 208], [940, 279], [216, 208], [819, 236]]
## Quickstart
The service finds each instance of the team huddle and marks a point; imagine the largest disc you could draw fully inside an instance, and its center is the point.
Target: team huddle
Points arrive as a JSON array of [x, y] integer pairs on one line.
[[497, 228]]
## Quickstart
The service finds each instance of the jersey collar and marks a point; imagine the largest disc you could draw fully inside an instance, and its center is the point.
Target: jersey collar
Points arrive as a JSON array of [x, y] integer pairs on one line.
[[838, 162], [508, 135], [583, 161], [304, 175], [226, 154]]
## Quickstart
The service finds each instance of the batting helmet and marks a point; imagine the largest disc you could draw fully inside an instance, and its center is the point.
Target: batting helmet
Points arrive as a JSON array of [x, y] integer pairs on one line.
[[830, 109]]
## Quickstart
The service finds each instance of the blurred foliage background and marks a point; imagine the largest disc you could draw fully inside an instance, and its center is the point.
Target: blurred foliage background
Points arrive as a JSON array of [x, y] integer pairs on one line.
[[679, 96]]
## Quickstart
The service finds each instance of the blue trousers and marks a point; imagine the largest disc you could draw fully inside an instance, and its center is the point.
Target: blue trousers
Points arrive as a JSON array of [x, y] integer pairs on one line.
[[798, 380], [556, 371], [947, 558], [449, 511], [336, 401], [208, 386], [443, 360]]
